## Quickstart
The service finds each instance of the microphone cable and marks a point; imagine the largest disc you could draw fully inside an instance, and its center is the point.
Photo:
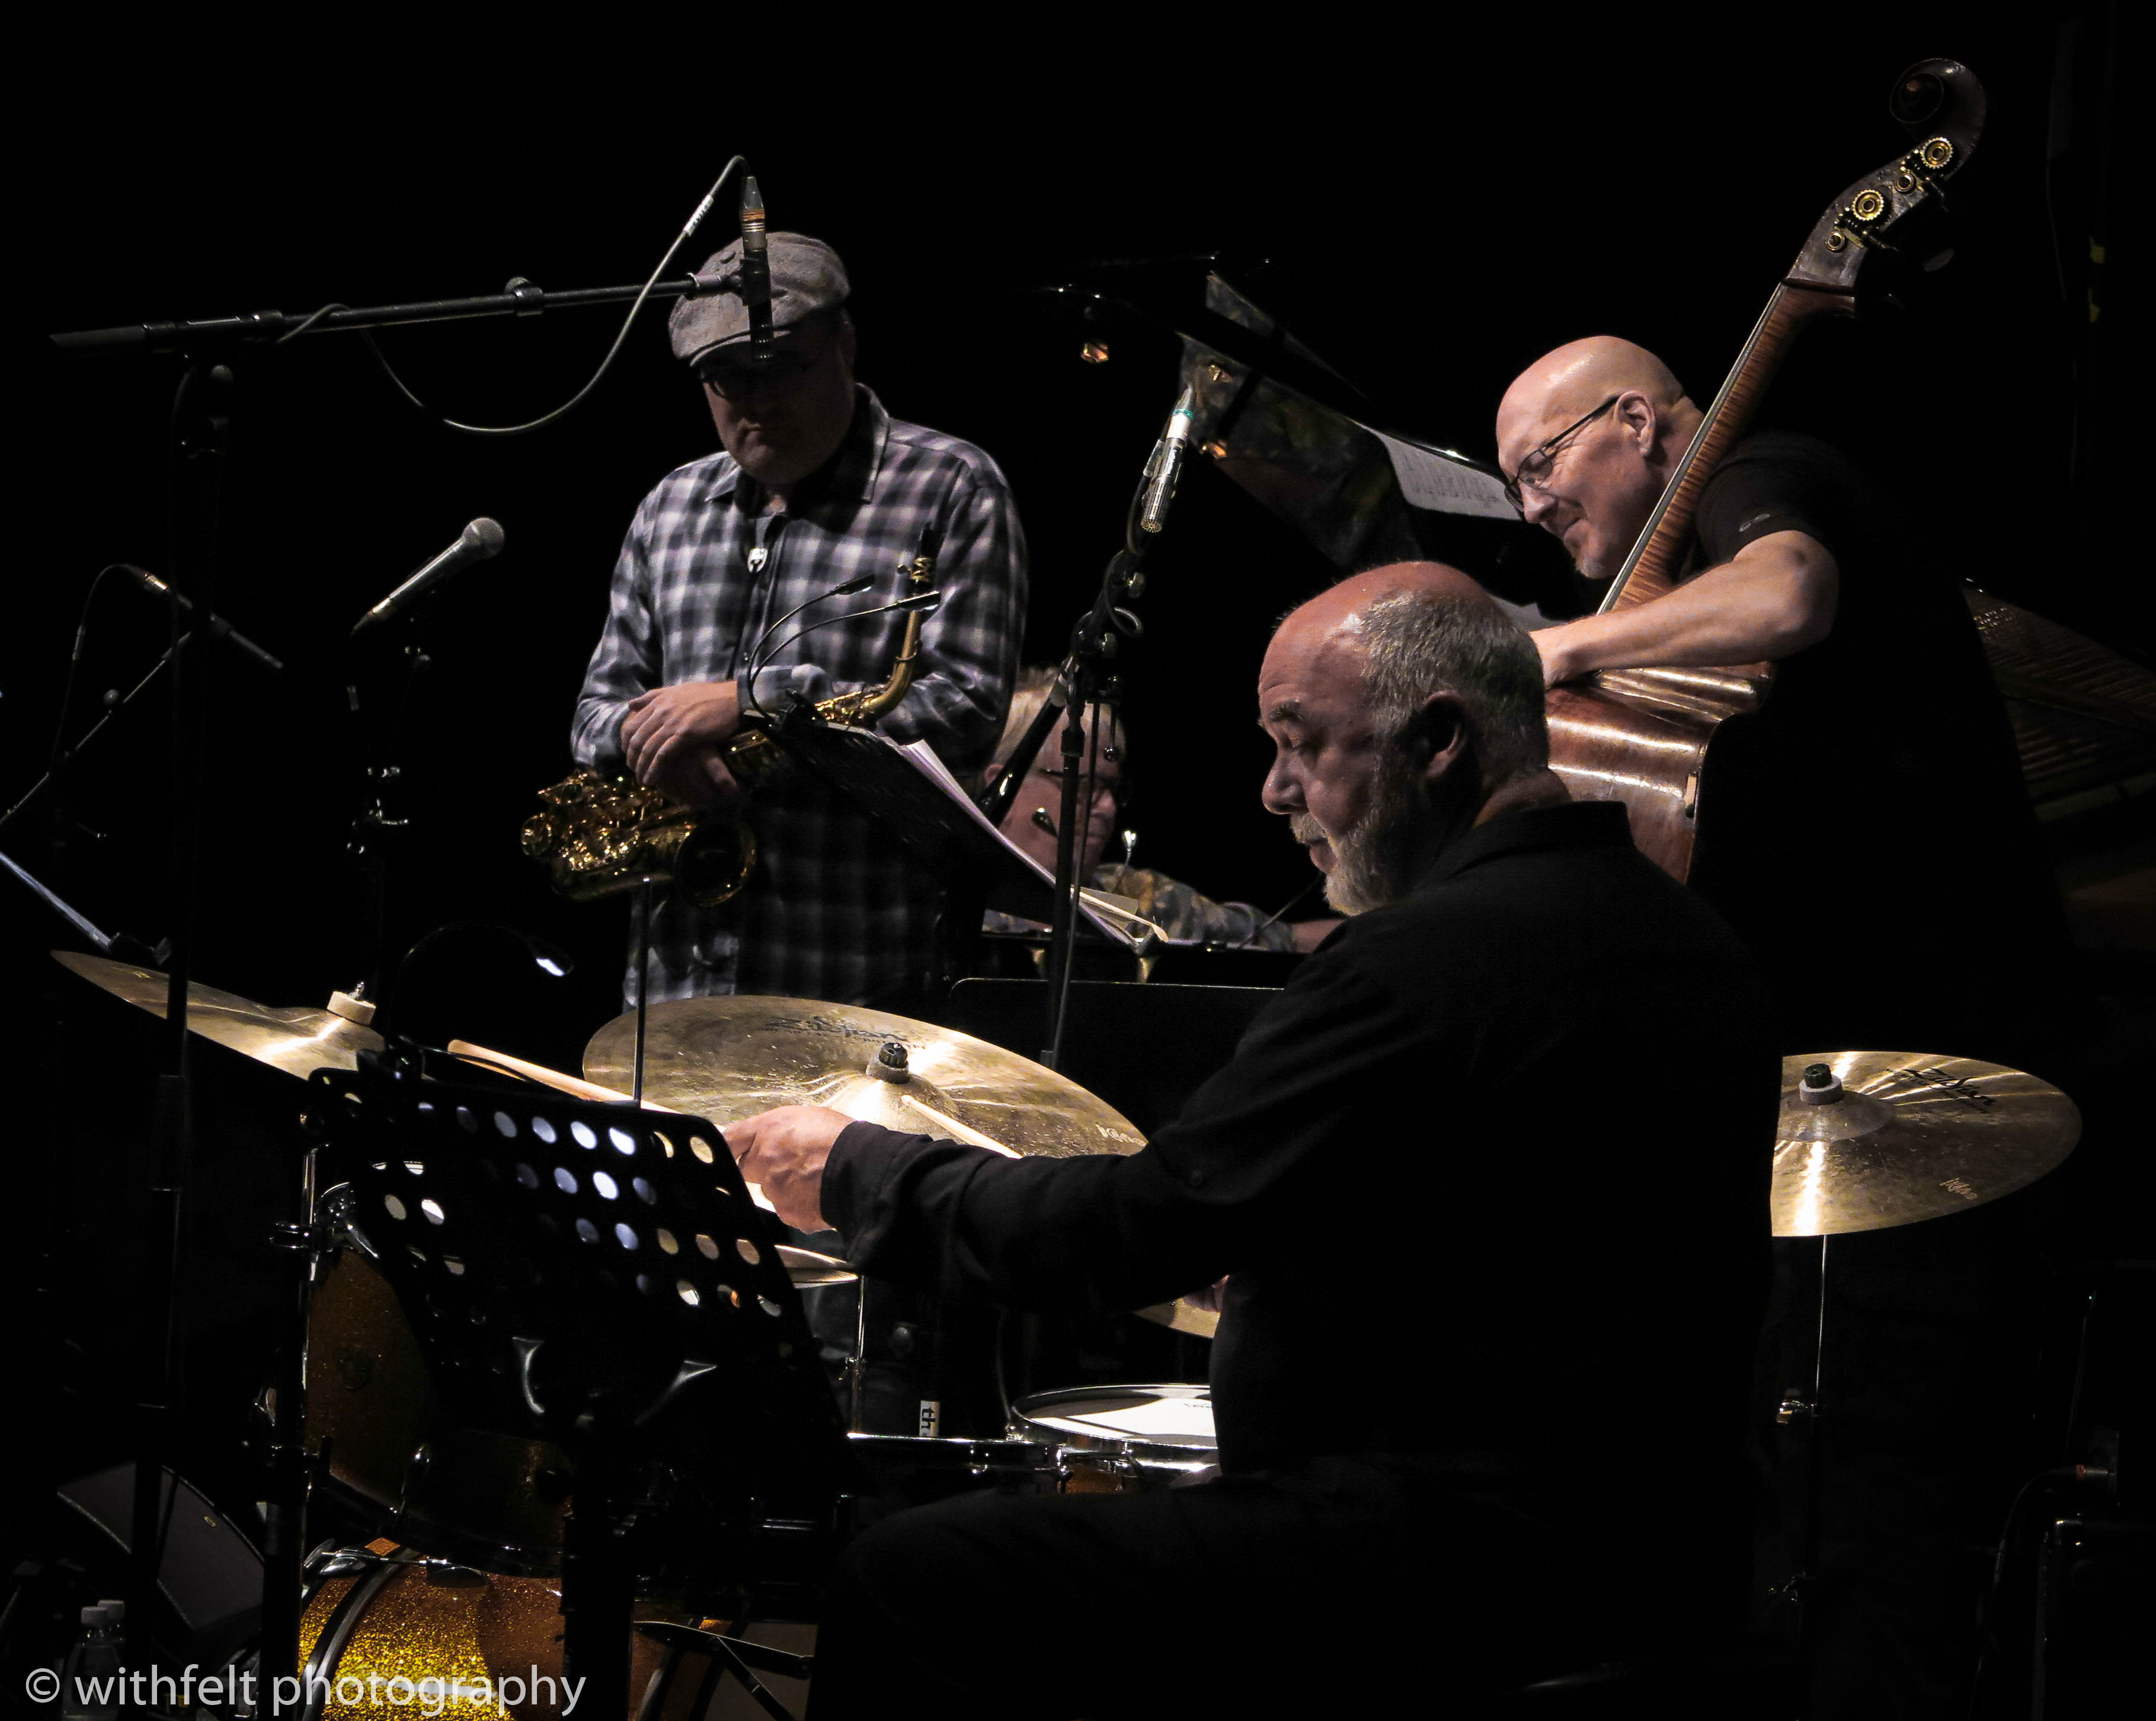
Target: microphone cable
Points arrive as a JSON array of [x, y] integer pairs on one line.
[[598, 376]]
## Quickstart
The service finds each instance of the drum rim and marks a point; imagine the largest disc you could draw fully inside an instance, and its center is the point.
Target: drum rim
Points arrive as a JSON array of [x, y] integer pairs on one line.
[[1178, 1455]]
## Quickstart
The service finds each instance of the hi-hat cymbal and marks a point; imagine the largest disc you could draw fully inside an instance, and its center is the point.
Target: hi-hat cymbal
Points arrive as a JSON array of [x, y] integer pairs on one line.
[[297, 1041], [726, 1059], [1909, 1136]]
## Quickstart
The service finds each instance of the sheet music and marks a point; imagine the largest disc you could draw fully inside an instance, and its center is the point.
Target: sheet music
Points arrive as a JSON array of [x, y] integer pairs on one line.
[[1121, 924], [1429, 480]]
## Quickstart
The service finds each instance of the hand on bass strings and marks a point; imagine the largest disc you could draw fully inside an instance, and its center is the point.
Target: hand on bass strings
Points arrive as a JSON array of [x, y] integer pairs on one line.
[[782, 1151], [667, 720]]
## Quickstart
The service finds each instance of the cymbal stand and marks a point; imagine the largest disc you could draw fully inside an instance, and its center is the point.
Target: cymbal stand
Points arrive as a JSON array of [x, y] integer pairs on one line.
[[645, 908], [1799, 1414], [857, 1364], [303, 1246]]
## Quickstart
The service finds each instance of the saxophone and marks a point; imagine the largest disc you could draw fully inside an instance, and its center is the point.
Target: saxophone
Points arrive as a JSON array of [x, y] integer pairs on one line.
[[599, 836]]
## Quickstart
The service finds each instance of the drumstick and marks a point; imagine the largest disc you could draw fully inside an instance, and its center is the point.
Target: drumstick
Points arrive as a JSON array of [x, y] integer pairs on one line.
[[964, 1132], [558, 1079]]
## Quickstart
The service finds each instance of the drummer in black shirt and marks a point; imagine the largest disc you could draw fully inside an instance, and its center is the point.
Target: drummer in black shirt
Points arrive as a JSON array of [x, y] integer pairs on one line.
[[1547, 1064], [1869, 837]]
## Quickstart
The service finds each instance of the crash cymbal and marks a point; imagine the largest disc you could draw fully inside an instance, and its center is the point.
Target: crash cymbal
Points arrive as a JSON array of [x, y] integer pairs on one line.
[[726, 1059], [809, 1269], [296, 1041], [1891, 1137]]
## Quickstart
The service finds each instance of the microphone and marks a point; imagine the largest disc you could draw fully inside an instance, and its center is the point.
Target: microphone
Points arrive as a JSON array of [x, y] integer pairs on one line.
[[480, 541], [217, 628], [1166, 466], [756, 270]]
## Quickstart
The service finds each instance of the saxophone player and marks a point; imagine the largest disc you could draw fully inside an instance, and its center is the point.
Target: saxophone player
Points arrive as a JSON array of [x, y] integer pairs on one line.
[[814, 484]]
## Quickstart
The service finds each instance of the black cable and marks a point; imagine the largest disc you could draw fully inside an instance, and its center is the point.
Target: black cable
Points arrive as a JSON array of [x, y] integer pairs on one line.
[[74, 665], [306, 323], [758, 659], [606, 364], [831, 621], [1284, 908]]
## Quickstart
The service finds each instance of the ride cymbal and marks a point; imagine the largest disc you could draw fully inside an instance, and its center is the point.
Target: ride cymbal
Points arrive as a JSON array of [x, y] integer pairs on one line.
[[1891, 1137], [726, 1059], [297, 1041]]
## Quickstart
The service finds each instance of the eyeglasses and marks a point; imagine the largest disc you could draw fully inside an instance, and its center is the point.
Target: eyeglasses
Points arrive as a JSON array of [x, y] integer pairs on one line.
[[793, 356], [1534, 470]]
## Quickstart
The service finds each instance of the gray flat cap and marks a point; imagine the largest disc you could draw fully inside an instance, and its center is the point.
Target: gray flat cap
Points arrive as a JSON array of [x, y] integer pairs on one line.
[[806, 277]]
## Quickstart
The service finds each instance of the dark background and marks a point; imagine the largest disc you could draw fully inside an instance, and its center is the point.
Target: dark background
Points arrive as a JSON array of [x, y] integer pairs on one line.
[[1432, 213]]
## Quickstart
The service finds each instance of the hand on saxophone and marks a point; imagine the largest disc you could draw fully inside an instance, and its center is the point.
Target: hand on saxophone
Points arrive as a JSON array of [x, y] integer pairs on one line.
[[672, 739]]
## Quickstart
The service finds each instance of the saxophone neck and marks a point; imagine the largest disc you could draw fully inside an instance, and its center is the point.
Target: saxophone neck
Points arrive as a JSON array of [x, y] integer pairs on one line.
[[919, 574]]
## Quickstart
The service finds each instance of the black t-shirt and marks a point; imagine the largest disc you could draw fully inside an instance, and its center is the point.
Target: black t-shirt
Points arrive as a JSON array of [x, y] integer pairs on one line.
[[1867, 831]]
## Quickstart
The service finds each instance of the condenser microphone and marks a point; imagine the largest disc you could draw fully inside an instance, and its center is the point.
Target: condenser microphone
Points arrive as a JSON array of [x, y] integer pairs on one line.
[[480, 541], [216, 627], [755, 269], [1166, 466]]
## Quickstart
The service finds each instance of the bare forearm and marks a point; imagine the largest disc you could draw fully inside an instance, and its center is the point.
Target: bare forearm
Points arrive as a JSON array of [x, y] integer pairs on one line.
[[1777, 597]]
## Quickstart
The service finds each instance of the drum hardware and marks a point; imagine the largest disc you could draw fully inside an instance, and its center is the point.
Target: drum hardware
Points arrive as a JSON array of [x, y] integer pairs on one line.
[[736, 1655], [596, 1279], [1870, 1141], [1119, 1440]]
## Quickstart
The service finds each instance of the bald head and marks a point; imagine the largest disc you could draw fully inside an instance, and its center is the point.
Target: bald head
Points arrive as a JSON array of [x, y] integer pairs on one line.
[[1563, 385], [1592, 485], [1334, 619], [1405, 706]]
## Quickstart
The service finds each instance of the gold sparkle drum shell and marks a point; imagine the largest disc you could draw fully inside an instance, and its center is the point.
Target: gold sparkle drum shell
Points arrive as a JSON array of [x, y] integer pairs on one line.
[[387, 1635]]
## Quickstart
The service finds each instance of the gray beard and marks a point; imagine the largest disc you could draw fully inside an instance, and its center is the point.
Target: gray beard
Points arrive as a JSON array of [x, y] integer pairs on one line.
[[1372, 858]]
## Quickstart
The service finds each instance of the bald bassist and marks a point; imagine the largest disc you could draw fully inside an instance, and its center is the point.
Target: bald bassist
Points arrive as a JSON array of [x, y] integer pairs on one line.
[[1785, 687], [1781, 681]]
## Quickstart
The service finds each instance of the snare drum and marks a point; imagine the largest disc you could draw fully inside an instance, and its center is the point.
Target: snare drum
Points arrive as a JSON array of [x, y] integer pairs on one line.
[[1121, 1440]]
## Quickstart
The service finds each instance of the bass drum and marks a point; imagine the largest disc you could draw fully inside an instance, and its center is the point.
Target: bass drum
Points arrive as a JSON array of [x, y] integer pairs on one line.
[[388, 1634], [490, 1501], [1121, 1440]]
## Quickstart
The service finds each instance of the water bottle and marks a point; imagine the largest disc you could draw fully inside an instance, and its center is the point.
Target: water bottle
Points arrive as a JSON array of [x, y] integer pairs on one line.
[[89, 1682]]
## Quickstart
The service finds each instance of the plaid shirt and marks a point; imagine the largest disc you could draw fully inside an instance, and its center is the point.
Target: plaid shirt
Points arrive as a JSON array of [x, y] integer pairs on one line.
[[835, 909]]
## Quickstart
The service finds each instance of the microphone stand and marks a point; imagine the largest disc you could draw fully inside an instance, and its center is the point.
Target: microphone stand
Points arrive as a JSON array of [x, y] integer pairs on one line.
[[200, 441], [263, 328], [374, 828], [1077, 689], [67, 759]]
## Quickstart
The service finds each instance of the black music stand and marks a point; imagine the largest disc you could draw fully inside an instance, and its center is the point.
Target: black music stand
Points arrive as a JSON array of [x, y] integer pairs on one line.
[[597, 1276]]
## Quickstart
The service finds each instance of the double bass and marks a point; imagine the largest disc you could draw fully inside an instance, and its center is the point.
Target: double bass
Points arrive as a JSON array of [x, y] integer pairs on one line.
[[1646, 737]]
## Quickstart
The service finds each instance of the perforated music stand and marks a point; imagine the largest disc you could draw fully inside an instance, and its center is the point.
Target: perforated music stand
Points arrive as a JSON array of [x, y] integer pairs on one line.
[[597, 1275]]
